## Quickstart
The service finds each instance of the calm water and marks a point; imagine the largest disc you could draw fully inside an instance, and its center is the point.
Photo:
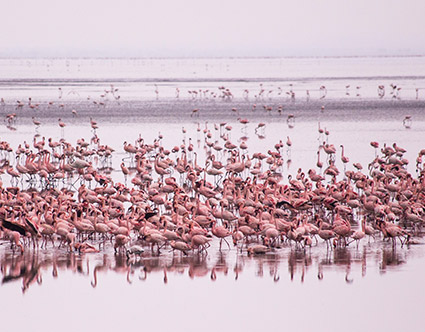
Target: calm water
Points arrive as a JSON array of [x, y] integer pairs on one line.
[[374, 287], [353, 288]]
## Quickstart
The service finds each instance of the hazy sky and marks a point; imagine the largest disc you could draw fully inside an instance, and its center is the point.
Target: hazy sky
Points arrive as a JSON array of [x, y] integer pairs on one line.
[[211, 28]]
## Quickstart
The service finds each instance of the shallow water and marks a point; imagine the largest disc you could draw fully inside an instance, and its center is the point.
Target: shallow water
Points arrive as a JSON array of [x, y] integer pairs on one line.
[[374, 287], [350, 288]]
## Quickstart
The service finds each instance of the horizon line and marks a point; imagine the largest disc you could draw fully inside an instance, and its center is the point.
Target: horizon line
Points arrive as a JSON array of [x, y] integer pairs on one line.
[[213, 57]]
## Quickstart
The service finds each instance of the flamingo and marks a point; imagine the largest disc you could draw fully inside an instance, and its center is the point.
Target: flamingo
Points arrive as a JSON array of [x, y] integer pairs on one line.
[[221, 232]]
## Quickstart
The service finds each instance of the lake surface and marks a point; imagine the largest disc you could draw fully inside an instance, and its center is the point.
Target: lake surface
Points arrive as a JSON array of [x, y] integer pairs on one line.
[[373, 287]]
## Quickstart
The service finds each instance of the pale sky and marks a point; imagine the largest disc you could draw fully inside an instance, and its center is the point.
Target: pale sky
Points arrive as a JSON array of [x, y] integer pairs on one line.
[[184, 28]]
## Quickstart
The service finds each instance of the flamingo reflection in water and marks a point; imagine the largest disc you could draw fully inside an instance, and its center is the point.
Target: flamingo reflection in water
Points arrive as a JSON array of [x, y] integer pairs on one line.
[[29, 267]]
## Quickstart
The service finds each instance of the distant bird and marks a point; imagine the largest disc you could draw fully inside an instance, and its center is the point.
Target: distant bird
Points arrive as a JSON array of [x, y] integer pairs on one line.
[[93, 124], [344, 159], [261, 126], [290, 120], [288, 142], [36, 122], [156, 91], [375, 145], [323, 91], [407, 121]]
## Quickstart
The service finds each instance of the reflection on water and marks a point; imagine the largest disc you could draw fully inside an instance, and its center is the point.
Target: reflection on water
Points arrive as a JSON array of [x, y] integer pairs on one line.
[[29, 268]]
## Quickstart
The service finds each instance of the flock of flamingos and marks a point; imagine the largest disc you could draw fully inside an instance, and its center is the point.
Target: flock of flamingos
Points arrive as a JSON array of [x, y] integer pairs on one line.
[[63, 195]]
